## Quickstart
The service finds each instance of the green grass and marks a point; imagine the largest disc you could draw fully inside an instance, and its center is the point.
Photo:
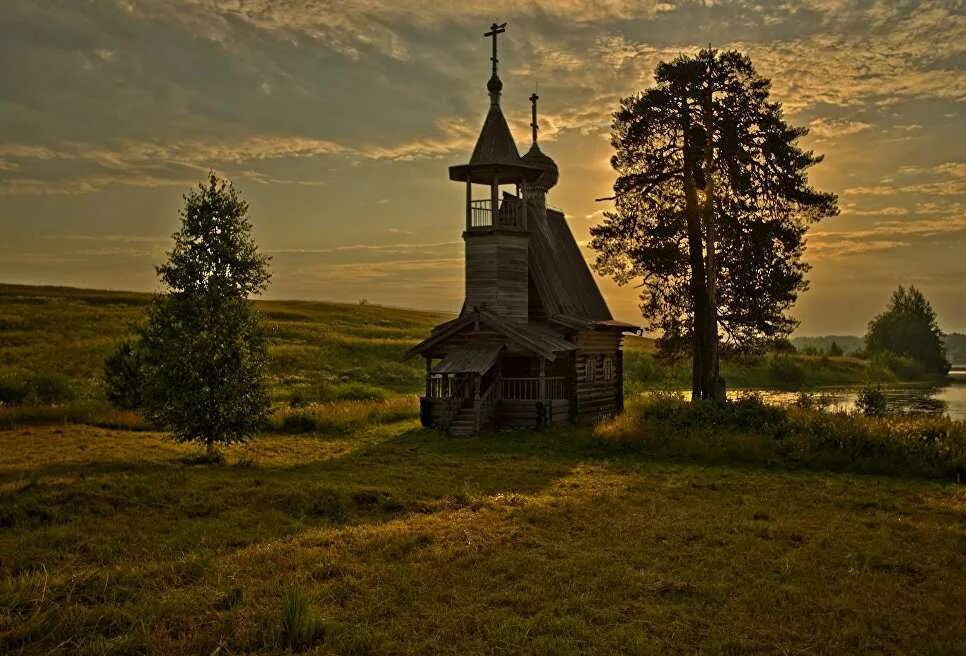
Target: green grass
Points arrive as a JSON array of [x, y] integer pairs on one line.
[[346, 529], [319, 352], [395, 540]]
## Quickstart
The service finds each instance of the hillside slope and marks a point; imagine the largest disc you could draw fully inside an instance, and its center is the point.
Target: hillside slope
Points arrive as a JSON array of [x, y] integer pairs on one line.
[[59, 337], [320, 351]]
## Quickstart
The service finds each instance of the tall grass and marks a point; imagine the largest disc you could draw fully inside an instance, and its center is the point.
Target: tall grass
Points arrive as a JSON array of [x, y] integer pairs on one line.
[[299, 628], [750, 430], [343, 416], [90, 413]]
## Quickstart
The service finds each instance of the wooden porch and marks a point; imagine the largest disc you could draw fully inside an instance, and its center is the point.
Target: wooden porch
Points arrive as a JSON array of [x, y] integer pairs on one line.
[[467, 403]]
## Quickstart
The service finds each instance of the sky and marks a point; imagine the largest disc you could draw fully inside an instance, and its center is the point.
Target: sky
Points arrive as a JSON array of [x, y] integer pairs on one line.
[[337, 122]]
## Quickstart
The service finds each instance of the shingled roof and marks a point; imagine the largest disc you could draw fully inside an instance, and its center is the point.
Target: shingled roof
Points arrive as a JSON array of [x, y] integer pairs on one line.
[[532, 336], [559, 271], [495, 154], [495, 144]]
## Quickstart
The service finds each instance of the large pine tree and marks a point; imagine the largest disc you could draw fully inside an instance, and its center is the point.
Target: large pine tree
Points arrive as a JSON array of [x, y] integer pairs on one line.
[[711, 206]]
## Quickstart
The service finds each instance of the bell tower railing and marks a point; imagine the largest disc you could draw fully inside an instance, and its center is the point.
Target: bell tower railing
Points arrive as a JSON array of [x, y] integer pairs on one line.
[[510, 216]]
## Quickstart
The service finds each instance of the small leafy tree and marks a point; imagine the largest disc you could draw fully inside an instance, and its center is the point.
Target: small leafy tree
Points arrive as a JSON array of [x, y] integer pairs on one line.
[[203, 351], [835, 350], [909, 328], [871, 401]]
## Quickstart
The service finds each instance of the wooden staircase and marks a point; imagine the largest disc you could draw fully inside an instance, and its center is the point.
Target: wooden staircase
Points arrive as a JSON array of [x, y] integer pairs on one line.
[[464, 423], [469, 416]]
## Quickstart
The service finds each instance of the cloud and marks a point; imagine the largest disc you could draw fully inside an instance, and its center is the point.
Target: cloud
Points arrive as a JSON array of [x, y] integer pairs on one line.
[[383, 248], [889, 234], [155, 164], [945, 179], [844, 245], [831, 128], [850, 209], [124, 239]]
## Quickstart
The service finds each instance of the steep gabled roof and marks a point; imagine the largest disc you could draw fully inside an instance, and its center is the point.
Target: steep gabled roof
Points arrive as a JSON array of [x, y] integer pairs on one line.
[[560, 274], [539, 339]]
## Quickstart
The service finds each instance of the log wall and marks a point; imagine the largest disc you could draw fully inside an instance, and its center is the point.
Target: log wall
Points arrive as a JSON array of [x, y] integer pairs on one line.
[[523, 414], [595, 396], [496, 272]]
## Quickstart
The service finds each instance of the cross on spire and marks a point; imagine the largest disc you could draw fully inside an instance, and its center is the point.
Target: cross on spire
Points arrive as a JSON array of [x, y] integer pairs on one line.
[[533, 112], [494, 31]]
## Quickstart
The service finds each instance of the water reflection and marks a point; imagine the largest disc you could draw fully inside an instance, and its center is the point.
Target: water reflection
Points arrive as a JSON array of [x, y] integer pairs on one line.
[[917, 399]]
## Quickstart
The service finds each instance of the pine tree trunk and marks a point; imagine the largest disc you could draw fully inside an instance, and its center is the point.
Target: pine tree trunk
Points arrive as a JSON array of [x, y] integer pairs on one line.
[[713, 370], [700, 365]]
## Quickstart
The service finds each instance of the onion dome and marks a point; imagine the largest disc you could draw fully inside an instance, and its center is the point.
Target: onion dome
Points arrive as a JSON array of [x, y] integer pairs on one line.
[[536, 158], [550, 173]]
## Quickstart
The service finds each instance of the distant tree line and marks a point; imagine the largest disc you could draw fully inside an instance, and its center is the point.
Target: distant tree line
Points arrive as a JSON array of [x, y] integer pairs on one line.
[[849, 344]]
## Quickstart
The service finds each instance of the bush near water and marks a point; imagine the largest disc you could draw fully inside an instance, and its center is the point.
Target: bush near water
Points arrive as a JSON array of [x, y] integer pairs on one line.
[[748, 429]]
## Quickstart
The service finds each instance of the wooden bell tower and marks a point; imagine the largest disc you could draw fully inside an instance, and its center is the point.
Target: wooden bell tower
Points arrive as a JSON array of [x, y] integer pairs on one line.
[[496, 233]]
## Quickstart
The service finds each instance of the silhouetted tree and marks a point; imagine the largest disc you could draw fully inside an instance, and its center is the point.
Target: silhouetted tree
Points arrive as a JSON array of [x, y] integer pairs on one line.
[[203, 352], [835, 350], [711, 205], [909, 328]]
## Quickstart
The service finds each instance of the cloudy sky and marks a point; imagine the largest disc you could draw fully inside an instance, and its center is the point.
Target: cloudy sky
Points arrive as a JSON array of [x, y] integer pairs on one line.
[[337, 121]]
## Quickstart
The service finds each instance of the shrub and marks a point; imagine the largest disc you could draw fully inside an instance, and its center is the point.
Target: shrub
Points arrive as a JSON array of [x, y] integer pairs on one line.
[[749, 412], [12, 392], [297, 399], [903, 367], [50, 389], [38, 389], [871, 401], [751, 430], [785, 372], [123, 377]]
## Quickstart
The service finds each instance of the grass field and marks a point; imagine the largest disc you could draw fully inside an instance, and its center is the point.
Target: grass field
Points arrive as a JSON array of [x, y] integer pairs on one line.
[[350, 530], [398, 541]]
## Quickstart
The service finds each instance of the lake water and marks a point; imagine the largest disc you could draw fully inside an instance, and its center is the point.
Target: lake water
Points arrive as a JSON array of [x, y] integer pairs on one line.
[[949, 399]]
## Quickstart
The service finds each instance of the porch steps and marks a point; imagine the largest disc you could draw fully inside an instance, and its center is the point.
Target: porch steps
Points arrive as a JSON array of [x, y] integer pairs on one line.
[[463, 424]]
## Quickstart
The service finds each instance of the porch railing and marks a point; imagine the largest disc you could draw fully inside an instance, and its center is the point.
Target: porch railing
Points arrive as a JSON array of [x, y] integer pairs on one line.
[[510, 389], [528, 389], [508, 215], [438, 387]]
